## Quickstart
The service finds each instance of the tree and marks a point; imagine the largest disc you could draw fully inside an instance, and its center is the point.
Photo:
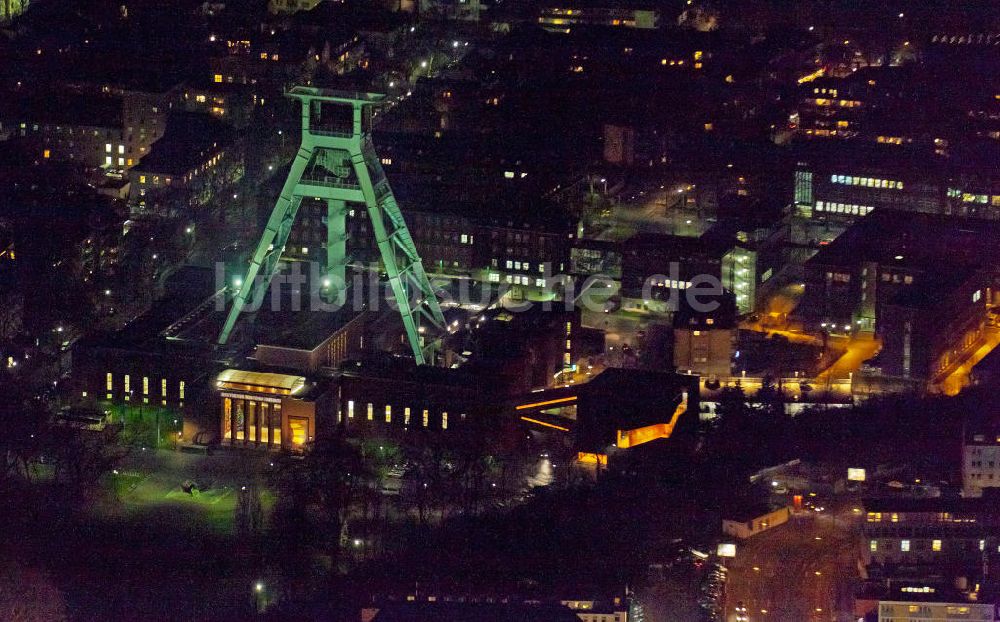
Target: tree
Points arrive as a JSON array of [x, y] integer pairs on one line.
[[27, 595], [380, 458], [249, 513], [24, 417], [80, 458], [329, 479], [11, 315]]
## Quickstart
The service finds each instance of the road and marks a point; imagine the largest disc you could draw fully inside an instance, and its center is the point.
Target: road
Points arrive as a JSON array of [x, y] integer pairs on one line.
[[959, 377], [802, 571], [859, 349]]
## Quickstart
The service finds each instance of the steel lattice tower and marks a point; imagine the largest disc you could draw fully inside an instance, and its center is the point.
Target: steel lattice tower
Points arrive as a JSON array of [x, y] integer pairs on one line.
[[337, 163]]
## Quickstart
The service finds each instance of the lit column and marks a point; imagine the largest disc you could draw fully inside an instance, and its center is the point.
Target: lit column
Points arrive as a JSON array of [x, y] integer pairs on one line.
[[336, 249]]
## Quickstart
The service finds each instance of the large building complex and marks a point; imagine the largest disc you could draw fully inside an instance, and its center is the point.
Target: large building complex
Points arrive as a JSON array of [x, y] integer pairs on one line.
[[110, 130]]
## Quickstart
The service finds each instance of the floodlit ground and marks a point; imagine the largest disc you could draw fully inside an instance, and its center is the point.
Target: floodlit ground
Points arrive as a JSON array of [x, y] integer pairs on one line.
[[959, 378], [151, 482], [858, 350], [163, 554]]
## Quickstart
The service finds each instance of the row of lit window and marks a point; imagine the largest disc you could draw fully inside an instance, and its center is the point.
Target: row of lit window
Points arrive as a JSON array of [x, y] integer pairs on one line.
[[869, 182], [109, 387], [965, 39], [520, 265], [843, 103], [968, 197], [219, 79], [58, 128], [424, 415], [669, 283], [843, 208], [515, 279], [156, 180], [904, 545], [942, 517]]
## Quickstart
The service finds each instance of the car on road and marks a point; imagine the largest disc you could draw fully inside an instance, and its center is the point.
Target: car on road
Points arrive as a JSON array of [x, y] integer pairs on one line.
[[741, 612]]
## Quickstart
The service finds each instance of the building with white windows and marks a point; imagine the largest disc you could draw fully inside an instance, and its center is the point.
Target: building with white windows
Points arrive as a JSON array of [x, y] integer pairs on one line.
[[111, 129], [980, 462], [908, 531], [920, 611], [924, 283], [187, 167]]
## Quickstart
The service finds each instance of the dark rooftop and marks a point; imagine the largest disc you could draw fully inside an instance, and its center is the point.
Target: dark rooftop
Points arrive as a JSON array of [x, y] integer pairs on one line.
[[190, 139], [986, 504], [914, 240], [746, 511], [64, 107]]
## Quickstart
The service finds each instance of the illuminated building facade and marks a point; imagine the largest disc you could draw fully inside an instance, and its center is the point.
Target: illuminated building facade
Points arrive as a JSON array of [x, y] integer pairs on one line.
[[381, 398], [932, 610], [845, 182], [891, 257], [622, 409], [647, 262], [521, 252], [118, 374], [827, 109], [929, 330], [742, 261], [901, 530], [187, 167], [705, 344], [448, 242], [266, 409], [563, 17], [750, 521], [980, 462], [110, 130], [850, 192], [231, 103]]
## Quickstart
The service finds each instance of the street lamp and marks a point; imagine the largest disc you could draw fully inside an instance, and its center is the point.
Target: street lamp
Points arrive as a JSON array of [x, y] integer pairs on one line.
[[258, 590]]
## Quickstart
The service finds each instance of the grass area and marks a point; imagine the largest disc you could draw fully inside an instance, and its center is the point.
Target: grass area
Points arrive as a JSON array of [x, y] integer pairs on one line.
[[141, 422], [121, 484], [160, 497]]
